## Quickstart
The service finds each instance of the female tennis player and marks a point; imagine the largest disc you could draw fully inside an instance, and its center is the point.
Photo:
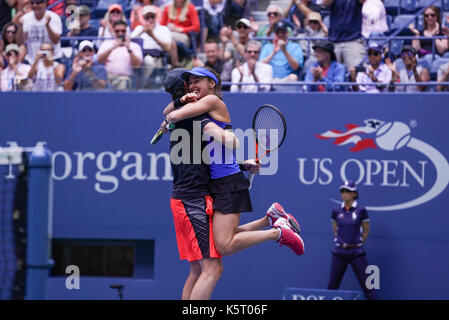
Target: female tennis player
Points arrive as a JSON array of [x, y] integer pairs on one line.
[[191, 205], [228, 185]]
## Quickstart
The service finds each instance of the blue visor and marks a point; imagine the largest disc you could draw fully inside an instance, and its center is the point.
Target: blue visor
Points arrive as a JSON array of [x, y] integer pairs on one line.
[[201, 72]]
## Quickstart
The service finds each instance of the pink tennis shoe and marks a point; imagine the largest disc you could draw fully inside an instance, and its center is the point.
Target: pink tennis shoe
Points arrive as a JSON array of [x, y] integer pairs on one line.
[[289, 237], [276, 211]]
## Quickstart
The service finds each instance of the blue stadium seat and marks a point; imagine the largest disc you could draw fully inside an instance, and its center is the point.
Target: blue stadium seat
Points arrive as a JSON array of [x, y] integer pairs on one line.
[[89, 3], [396, 47], [391, 6], [445, 5], [435, 66], [389, 21], [408, 6], [425, 3], [403, 21]]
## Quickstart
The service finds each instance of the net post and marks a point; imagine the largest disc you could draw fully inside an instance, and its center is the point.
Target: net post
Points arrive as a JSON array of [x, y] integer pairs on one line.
[[39, 224]]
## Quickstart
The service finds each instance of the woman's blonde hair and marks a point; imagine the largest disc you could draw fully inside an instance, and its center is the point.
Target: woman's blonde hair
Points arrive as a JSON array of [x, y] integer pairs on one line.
[[172, 11]]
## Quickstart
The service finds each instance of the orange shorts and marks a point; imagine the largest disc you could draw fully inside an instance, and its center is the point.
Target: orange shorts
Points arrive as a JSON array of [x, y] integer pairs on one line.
[[193, 226]]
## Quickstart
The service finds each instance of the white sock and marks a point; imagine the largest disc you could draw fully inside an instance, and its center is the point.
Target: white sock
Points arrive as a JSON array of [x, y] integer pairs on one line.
[[280, 234]]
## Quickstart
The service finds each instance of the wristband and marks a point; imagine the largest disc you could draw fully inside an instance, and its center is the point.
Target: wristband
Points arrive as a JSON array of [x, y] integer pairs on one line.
[[177, 103]]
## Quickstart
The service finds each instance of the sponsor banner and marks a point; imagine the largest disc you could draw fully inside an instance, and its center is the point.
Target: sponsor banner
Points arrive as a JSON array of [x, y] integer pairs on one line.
[[110, 183], [319, 294]]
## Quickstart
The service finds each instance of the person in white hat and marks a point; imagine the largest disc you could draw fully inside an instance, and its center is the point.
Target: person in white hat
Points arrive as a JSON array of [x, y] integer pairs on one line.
[[157, 41], [235, 46], [86, 74], [16, 71]]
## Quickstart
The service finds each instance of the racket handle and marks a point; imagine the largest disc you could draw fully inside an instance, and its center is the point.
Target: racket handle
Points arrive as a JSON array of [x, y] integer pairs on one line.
[[250, 179], [157, 137]]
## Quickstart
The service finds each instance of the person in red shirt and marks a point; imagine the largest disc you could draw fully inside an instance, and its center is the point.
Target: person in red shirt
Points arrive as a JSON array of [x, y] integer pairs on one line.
[[181, 18]]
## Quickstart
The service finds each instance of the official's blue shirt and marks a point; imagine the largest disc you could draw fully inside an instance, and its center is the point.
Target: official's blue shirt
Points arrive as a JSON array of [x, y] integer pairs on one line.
[[281, 67], [346, 20], [336, 73], [349, 227]]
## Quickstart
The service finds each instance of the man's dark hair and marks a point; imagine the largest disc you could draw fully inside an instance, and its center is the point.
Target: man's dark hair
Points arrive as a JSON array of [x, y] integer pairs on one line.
[[119, 22]]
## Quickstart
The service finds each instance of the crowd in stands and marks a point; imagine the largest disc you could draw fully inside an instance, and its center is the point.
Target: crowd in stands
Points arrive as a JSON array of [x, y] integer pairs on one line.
[[309, 45]]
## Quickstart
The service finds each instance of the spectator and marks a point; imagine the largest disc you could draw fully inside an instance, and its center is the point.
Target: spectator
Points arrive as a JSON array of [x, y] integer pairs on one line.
[[374, 17], [6, 7], [12, 76], [375, 72], [120, 56], [285, 57], [23, 7], [83, 29], [223, 68], [181, 18], [346, 30], [86, 74], [252, 71], [46, 73], [41, 26], [326, 69], [214, 18], [157, 40], [299, 10], [136, 17], [114, 14], [234, 48], [9, 36], [443, 76], [412, 73], [274, 14], [236, 10], [432, 27], [314, 28]]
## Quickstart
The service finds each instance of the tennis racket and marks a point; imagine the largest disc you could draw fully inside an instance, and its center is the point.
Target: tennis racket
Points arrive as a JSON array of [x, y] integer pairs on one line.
[[270, 129], [170, 126]]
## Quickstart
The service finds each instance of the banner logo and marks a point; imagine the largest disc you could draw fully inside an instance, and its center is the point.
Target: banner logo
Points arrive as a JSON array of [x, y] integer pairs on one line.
[[391, 136]]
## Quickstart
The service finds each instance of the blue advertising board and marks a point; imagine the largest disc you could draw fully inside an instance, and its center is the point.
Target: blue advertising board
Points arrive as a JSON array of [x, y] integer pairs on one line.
[[110, 183]]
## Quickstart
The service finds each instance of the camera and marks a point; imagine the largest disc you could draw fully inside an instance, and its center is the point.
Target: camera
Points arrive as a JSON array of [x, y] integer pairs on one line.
[[121, 37], [360, 69]]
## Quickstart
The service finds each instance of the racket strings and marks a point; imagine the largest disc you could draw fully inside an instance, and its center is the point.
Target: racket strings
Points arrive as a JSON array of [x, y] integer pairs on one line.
[[269, 128]]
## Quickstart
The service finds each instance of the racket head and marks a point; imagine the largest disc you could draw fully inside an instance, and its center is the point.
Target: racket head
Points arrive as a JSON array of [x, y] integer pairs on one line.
[[267, 118]]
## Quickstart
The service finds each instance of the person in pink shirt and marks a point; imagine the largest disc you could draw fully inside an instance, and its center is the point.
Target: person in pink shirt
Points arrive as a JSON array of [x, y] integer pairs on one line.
[[120, 56]]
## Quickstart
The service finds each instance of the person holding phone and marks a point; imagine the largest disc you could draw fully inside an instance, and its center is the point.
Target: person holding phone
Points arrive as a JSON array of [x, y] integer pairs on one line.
[[86, 74], [120, 56], [371, 78], [45, 71], [326, 69]]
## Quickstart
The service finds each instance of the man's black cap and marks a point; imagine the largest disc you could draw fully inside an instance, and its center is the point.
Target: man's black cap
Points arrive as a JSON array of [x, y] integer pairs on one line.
[[173, 80], [280, 25], [326, 45]]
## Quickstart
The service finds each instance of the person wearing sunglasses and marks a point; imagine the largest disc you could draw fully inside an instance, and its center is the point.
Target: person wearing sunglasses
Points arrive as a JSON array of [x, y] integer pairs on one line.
[[41, 26], [274, 15], [372, 78], [252, 71], [432, 27], [234, 47], [157, 41], [106, 30], [314, 28], [121, 57], [348, 221], [10, 36], [411, 73], [86, 74], [12, 76], [298, 11]]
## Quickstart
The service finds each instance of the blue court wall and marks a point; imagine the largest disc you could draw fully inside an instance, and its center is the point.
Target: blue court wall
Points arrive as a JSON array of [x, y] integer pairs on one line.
[[110, 183]]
